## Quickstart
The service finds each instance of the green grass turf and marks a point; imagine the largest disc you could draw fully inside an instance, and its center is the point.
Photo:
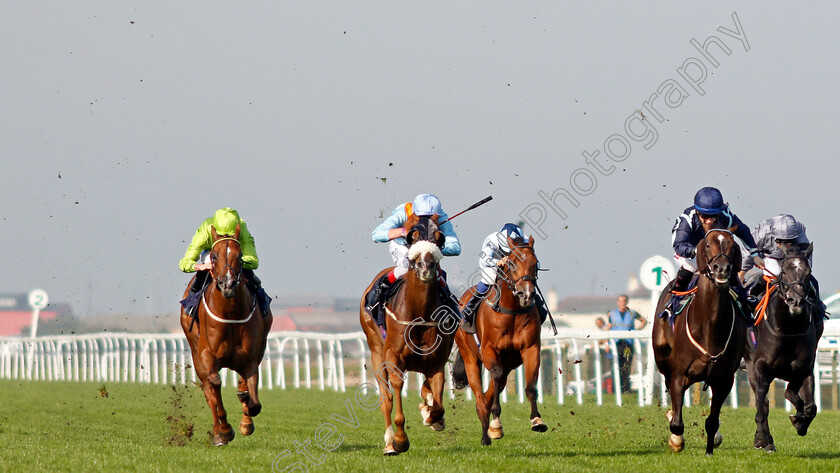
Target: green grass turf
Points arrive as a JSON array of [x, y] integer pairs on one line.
[[48, 426]]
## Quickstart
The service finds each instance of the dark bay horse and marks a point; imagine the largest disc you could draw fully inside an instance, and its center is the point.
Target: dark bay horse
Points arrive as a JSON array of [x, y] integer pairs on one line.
[[706, 341], [508, 327], [419, 335], [786, 347], [230, 333]]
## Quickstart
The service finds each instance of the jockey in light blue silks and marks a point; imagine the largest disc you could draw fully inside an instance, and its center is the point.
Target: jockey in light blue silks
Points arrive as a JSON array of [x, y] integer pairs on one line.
[[494, 249], [392, 230], [708, 212], [774, 237]]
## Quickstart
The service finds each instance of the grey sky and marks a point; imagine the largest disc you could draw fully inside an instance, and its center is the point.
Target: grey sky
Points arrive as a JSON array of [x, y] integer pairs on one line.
[[155, 114]]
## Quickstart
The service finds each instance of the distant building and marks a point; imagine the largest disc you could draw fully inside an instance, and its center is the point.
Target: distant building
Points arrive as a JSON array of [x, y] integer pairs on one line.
[[16, 315]]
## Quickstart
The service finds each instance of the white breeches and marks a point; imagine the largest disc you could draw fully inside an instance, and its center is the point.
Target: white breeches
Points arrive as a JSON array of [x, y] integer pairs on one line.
[[399, 254], [772, 265], [687, 263], [488, 274]]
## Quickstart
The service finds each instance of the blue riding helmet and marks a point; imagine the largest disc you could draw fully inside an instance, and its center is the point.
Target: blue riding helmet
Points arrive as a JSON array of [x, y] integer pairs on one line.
[[512, 231], [426, 205], [709, 201]]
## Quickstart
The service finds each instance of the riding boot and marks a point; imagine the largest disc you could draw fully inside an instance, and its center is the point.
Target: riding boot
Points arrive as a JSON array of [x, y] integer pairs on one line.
[[375, 301], [746, 305], [253, 283], [542, 308], [470, 309], [683, 279], [818, 304], [190, 303], [448, 299]]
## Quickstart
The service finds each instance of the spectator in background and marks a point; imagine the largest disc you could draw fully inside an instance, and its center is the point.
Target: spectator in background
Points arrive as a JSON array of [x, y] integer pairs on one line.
[[624, 318]]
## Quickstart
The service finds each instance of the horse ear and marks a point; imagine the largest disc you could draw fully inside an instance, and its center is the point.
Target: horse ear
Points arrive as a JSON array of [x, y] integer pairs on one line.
[[809, 250], [440, 239], [531, 241], [213, 233], [236, 232], [410, 237]]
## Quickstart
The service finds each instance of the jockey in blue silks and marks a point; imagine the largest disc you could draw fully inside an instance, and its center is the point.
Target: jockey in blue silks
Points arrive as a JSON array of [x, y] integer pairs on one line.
[[392, 230], [708, 212]]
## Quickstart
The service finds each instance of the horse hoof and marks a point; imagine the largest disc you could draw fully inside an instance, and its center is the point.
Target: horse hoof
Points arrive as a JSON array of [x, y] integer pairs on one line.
[[669, 415], [254, 409], [537, 425], [227, 436], [496, 433], [800, 423], [485, 441], [718, 440], [769, 448], [677, 443], [401, 447], [389, 451], [218, 441], [246, 428], [439, 425]]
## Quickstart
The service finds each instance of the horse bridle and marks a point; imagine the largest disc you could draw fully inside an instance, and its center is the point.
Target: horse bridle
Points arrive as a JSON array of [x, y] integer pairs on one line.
[[212, 273], [784, 287], [708, 270], [511, 283]]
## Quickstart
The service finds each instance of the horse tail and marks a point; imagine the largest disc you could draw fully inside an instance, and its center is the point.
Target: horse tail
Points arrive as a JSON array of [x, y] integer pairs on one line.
[[459, 372]]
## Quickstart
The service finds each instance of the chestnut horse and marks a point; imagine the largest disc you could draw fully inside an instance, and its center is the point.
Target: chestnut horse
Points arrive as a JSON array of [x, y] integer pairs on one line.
[[508, 326], [231, 333], [786, 347], [419, 335], [706, 341]]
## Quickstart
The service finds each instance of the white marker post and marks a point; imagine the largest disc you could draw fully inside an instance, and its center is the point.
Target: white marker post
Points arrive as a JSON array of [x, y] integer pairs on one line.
[[656, 272], [38, 300]]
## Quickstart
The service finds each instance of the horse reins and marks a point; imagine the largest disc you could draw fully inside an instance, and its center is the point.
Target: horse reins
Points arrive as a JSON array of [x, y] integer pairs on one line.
[[712, 358], [708, 273]]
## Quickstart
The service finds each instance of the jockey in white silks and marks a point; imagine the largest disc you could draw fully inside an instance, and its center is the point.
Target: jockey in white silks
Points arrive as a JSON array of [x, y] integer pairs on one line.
[[493, 251]]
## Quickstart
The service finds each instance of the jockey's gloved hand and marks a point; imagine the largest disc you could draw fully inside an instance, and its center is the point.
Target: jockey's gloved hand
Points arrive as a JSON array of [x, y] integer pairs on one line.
[[757, 259]]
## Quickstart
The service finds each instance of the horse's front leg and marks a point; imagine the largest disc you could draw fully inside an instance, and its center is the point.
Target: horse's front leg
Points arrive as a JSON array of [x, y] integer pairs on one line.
[[491, 396], [247, 394], [213, 393], [760, 382], [719, 393], [803, 399], [400, 439], [677, 389], [432, 408], [531, 366]]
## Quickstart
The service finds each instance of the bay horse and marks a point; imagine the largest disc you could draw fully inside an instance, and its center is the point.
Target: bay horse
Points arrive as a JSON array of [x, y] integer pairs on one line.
[[419, 335], [508, 327], [786, 346], [705, 343], [230, 332]]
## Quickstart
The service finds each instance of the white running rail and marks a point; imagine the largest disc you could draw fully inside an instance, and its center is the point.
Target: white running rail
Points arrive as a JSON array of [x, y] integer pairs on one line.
[[575, 363]]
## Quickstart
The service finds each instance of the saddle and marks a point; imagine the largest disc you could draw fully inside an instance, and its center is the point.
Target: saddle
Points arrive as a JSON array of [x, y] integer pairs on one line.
[[373, 298]]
